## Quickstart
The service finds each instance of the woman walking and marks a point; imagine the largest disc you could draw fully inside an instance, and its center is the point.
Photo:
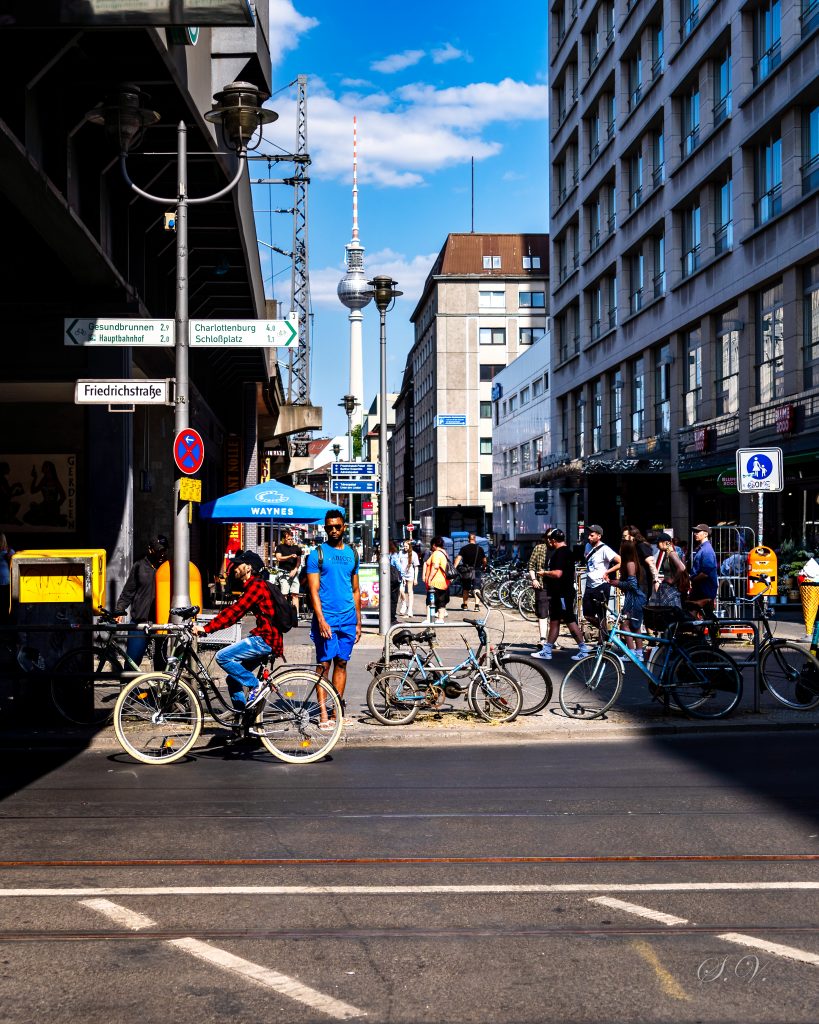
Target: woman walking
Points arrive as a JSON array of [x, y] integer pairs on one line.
[[437, 580], [408, 562], [634, 581]]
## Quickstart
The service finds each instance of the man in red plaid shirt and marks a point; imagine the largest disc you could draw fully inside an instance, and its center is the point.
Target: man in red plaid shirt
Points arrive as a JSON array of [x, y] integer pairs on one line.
[[241, 658]]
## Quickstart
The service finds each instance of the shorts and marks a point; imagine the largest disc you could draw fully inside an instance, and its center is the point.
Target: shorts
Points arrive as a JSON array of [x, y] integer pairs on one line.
[[441, 597], [561, 609], [339, 645], [288, 585]]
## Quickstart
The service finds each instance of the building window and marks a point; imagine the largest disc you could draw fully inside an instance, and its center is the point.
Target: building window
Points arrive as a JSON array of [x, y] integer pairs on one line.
[[724, 233], [722, 89], [531, 262], [525, 458], [486, 481], [487, 371], [537, 387], [491, 299], [693, 376], [770, 345], [492, 335], [580, 428], [597, 415], [596, 311], [513, 461], [616, 399], [533, 300], [658, 158], [635, 180], [486, 410], [611, 301], [659, 266], [611, 197], [810, 147], [768, 180], [525, 395], [537, 453], [662, 389], [636, 271], [810, 355], [690, 121], [657, 50], [491, 262], [513, 403], [486, 446], [727, 360], [529, 335], [595, 223], [691, 240], [635, 81], [638, 398], [689, 16], [809, 16], [767, 39]]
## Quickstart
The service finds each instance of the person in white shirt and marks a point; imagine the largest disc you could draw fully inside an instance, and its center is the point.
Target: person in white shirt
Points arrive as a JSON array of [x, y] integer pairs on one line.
[[408, 565], [602, 562]]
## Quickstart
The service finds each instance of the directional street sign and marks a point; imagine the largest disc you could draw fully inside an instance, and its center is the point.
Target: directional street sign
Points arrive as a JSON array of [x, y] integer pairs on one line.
[[353, 486], [451, 420], [188, 451], [759, 469], [123, 392], [118, 331], [352, 468], [243, 333]]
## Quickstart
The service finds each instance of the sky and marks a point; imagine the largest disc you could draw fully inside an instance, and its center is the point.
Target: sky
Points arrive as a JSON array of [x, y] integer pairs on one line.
[[433, 86]]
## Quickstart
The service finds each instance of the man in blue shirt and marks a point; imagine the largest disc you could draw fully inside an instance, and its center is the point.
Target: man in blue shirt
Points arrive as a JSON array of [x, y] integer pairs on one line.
[[704, 579], [332, 582]]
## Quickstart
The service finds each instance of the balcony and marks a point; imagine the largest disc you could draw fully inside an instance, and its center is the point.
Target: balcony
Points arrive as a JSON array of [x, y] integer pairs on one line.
[[659, 285], [612, 223], [690, 22], [657, 447], [691, 261], [594, 241], [810, 171], [596, 329], [635, 97], [636, 198], [690, 142], [658, 66], [768, 205], [710, 442], [809, 18], [658, 175], [768, 60], [724, 238], [722, 110], [635, 301]]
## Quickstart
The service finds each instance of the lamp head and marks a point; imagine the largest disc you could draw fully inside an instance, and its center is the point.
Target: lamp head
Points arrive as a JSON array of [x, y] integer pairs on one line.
[[336, 450], [238, 109], [123, 116], [349, 402], [384, 292]]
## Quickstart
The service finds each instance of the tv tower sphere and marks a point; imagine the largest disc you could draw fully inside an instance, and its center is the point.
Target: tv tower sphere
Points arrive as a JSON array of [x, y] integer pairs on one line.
[[353, 290]]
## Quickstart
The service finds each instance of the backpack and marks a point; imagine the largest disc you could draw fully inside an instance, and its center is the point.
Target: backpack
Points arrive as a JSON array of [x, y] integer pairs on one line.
[[286, 615], [303, 574]]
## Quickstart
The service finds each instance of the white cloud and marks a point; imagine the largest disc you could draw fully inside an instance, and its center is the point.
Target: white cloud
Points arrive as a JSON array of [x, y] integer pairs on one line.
[[356, 83], [397, 61], [286, 28], [413, 132], [449, 52], [410, 273]]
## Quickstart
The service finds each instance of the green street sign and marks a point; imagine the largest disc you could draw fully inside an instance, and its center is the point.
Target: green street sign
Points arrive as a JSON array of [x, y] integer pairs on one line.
[[243, 333]]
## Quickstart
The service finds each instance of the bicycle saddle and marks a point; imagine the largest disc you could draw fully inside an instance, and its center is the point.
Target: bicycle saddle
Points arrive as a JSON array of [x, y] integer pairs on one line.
[[403, 636], [186, 613]]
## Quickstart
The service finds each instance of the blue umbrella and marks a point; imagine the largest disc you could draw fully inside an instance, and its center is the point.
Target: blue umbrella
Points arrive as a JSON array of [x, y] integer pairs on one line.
[[271, 502]]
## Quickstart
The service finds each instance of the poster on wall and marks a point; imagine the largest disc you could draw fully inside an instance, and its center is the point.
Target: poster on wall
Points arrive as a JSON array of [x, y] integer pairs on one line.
[[368, 586], [38, 493]]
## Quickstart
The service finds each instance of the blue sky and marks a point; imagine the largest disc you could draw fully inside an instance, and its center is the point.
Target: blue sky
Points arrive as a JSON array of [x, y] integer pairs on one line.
[[432, 85]]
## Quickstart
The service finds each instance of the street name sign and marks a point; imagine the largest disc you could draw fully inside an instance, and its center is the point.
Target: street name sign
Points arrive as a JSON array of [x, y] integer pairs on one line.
[[352, 469], [243, 333], [451, 420], [338, 486], [140, 332], [759, 470], [124, 392]]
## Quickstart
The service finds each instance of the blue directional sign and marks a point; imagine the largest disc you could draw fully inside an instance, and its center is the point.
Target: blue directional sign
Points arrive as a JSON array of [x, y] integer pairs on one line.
[[352, 468], [353, 486], [451, 420]]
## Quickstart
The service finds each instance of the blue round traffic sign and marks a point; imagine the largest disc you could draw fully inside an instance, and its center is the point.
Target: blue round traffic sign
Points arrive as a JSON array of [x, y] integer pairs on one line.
[[759, 466], [188, 451]]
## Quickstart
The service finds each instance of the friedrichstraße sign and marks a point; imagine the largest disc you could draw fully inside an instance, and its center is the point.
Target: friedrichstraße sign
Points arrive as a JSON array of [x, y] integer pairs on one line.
[[124, 392], [142, 332]]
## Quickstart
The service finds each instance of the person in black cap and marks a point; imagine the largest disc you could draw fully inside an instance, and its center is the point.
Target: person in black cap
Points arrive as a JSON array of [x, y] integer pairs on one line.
[[602, 563], [139, 594], [704, 576], [239, 659]]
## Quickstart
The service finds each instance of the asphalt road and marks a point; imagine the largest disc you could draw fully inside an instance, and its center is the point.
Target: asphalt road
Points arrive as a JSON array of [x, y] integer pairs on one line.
[[655, 878]]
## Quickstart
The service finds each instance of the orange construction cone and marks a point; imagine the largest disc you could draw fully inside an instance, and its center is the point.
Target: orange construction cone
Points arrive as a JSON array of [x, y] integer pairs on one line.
[[809, 592]]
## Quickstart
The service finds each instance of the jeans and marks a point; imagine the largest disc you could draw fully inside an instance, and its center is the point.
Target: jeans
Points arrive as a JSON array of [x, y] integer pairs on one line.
[[136, 646], [238, 660]]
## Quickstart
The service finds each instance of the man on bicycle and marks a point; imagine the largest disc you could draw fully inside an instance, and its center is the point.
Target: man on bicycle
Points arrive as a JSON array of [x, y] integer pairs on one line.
[[239, 659]]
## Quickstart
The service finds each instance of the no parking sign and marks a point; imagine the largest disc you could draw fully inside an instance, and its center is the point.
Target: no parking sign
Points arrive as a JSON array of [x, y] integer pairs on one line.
[[188, 451]]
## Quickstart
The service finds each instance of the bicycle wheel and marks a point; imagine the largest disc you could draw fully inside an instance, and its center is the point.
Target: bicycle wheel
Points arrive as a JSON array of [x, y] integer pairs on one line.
[[706, 683], [292, 723], [505, 594], [494, 698], [85, 685], [490, 593], [526, 604], [157, 718], [533, 679], [791, 674], [591, 686], [394, 698]]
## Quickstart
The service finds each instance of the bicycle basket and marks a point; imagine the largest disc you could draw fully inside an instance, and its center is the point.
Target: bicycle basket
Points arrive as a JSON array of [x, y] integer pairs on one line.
[[658, 618]]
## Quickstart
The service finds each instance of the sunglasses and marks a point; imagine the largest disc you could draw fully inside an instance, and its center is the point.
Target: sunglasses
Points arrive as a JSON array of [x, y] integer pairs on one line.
[[336, 526]]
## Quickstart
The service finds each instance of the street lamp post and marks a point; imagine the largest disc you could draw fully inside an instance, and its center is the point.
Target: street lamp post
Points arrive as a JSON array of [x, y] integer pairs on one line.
[[349, 403], [238, 108], [384, 293]]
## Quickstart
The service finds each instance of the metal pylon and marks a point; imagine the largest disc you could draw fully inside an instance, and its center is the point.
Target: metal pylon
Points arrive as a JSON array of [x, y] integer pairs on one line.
[[298, 383]]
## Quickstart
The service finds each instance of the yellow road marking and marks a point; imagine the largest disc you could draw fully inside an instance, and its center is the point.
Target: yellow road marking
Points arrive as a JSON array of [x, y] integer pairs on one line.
[[669, 983]]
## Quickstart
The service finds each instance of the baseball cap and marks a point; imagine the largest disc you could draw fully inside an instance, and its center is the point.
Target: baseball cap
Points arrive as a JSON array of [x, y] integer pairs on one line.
[[595, 528], [249, 558], [558, 536], [664, 536], [158, 543], [702, 526]]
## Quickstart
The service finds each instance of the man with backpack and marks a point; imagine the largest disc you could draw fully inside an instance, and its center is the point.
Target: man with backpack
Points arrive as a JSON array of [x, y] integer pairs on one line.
[[332, 586], [239, 659]]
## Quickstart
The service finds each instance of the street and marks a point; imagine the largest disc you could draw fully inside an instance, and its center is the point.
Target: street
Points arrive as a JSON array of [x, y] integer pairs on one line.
[[645, 878]]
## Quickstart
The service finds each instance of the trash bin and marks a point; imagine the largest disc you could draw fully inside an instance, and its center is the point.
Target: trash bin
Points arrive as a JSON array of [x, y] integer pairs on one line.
[[809, 594]]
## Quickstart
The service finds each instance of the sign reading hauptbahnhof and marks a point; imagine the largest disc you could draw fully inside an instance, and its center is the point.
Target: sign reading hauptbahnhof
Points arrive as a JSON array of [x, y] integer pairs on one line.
[[144, 332]]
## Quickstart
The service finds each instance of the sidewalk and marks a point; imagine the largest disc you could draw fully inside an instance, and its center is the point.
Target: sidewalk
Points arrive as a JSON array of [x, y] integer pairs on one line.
[[634, 714]]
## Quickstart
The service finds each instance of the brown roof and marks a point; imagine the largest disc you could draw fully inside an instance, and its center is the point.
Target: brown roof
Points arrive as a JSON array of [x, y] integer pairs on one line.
[[463, 254]]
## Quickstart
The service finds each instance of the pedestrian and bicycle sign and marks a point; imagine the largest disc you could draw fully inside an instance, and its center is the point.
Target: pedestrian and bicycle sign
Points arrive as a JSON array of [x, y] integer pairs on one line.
[[759, 470], [188, 451]]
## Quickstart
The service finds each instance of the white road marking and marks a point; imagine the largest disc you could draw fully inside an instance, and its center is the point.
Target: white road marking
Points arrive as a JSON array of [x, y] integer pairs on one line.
[[281, 983], [632, 908], [412, 890], [771, 947]]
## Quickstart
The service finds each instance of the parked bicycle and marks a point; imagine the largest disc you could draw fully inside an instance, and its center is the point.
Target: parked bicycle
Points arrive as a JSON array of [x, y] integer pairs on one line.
[[296, 713], [703, 681]]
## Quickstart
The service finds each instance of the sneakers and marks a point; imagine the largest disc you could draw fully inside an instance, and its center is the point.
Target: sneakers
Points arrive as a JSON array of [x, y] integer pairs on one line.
[[583, 651], [252, 696], [545, 652]]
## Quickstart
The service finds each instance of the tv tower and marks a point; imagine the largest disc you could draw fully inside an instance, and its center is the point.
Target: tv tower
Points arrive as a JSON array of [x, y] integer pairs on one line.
[[353, 293]]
